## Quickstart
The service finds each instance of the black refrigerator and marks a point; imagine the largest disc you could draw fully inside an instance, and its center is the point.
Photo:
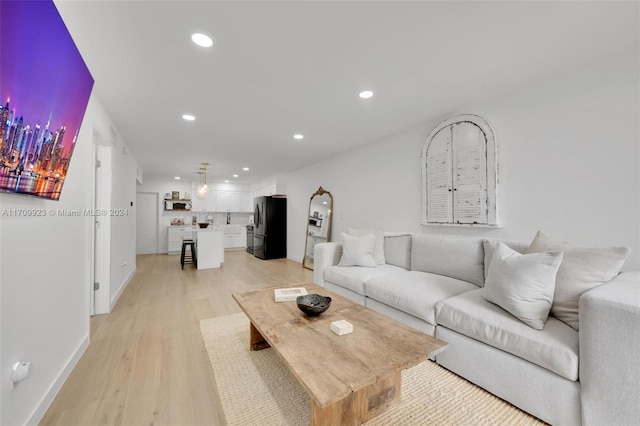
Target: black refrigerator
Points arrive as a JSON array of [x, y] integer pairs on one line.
[[270, 228]]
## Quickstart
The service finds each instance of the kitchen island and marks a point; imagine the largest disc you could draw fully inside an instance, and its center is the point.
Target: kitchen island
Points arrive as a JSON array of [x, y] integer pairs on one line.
[[209, 247]]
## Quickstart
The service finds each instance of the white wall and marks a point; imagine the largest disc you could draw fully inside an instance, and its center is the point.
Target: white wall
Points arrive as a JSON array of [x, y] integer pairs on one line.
[[45, 277], [569, 160], [123, 221], [120, 224], [373, 187]]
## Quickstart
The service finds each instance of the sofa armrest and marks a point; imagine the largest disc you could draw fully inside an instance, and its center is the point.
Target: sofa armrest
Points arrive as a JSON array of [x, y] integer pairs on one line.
[[609, 352], [324, 256]]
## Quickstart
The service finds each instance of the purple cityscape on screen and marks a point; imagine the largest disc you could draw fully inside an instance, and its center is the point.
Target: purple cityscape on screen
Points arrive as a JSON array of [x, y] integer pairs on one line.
[[44, 90]]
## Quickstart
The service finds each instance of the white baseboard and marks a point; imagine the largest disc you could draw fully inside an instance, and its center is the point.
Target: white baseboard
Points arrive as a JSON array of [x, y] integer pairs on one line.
[[124, 285], [295, 259], [48, 397]]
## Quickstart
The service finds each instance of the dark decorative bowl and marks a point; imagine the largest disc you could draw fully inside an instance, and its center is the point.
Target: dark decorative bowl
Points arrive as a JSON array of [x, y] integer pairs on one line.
[[203, 225], [313, 304]]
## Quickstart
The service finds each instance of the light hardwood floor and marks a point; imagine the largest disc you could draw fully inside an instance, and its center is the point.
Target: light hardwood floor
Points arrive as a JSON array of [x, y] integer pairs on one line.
[[146, 363]]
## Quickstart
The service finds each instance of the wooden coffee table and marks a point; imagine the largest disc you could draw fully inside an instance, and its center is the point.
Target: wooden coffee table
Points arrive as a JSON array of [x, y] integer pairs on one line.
[[350, 378]]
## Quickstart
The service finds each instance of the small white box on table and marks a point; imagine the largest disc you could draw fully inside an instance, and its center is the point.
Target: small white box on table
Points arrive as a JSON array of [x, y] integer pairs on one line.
[[341, 327]]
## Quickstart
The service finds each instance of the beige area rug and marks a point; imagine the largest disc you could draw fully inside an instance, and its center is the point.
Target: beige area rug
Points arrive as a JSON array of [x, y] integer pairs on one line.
[[256, 388]]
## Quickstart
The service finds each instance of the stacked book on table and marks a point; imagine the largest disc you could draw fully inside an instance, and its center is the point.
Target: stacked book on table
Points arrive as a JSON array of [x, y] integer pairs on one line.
[[289, 294]]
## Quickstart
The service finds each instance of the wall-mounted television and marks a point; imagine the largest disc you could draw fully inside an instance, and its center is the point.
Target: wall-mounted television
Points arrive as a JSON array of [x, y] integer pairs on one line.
[[44, 90]]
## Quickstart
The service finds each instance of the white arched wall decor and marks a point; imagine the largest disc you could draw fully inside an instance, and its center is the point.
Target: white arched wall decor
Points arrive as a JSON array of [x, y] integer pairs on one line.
[[460, 173]]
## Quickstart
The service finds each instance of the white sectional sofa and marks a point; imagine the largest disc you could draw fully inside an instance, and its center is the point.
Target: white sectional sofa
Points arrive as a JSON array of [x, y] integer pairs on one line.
[[560, 374]]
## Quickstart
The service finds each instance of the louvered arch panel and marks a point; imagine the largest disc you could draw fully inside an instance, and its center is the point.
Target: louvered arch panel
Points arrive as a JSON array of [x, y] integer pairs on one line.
[[470, 173], [439, 174], [459, 173]]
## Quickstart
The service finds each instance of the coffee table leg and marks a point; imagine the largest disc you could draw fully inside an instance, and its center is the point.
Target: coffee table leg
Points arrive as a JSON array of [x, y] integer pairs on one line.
[[256, 341], [361, 405]]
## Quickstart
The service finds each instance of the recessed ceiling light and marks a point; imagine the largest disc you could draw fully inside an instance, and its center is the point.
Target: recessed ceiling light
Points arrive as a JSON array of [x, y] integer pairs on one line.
[[235, 175], [298, 136], [226, 181], [366, 94], [177, 178], [201, 40], [246, 169], [188, 117]]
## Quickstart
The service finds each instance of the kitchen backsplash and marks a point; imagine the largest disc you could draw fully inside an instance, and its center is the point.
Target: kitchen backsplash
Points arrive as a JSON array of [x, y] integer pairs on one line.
[[219, 218]]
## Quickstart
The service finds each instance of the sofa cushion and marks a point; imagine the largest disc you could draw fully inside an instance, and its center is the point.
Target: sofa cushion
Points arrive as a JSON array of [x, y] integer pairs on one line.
[[397, 250], [356, 251], [461, 258], [415, 292], [378, 245], [523, 284], [582, 269], [555, 347], [354, 277]]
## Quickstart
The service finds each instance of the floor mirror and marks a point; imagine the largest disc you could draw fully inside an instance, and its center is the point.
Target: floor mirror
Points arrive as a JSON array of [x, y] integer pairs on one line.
[[318, 224]]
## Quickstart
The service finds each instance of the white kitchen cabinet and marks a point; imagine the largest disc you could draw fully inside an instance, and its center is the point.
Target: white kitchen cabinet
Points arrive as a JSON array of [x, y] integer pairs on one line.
[[197, 205], [228, 201], [210, 202], [247, 201], [235, 236], [233, 241], [202, 204], [270, 190], [175, 236], [275, 189]]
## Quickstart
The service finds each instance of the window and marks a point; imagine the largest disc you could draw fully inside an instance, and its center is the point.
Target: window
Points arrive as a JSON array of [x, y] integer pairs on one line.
[[459, 173]]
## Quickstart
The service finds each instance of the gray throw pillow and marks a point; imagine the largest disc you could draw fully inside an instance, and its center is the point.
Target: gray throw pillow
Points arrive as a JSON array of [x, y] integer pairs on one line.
[[522, 284], [582, 269], [397, 250]]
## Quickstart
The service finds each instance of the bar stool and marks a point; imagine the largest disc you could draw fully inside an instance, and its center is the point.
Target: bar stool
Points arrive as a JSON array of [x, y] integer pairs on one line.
[[191, 257]]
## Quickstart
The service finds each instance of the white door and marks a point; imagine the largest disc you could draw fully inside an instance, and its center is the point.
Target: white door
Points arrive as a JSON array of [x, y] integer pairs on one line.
[[101, 286], [147, 222]]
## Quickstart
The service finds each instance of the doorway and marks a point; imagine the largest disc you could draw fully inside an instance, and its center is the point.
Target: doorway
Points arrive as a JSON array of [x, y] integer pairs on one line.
[[147, 222], [101, 263]]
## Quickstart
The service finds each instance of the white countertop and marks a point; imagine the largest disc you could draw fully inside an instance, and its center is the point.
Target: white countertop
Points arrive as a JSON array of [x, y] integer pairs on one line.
[[233, 229]]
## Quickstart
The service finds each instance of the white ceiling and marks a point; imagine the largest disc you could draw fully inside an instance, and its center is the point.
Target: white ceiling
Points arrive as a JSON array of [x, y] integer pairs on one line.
[[279, 68]]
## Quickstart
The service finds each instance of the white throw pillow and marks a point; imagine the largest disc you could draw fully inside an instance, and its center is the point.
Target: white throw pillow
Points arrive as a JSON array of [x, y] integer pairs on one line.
[[522, 284], [490, 245], [582, 269], [378, 248], [356, 251]]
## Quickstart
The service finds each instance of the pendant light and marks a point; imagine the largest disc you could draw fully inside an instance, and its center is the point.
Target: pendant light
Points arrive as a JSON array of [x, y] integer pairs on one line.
[[203, 188]]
